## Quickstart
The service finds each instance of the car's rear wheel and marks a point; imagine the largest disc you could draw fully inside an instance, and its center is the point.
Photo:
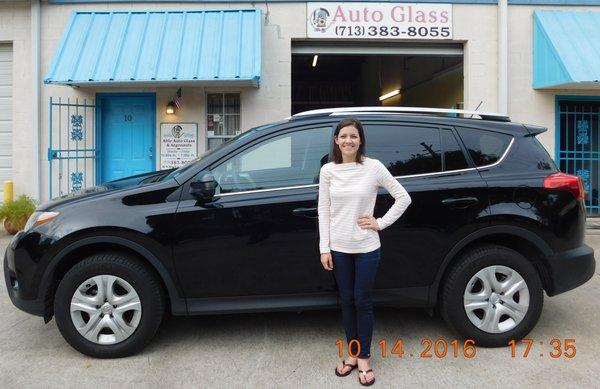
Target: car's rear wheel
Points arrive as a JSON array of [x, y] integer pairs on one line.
[[109, 305], [492, 295]]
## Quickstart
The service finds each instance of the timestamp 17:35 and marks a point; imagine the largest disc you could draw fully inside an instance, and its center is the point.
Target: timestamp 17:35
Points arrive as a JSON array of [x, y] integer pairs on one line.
[[560, 348]]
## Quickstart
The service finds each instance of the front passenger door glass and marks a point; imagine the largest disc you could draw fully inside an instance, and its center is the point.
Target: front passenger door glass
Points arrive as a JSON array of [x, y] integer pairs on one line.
[[290, 159]]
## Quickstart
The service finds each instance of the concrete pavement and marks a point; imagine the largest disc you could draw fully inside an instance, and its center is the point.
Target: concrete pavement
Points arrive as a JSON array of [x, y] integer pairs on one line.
[[299, 350]]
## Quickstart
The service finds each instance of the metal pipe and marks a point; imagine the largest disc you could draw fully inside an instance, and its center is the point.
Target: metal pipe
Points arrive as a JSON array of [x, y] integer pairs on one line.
[[503, 57], [36, 100]]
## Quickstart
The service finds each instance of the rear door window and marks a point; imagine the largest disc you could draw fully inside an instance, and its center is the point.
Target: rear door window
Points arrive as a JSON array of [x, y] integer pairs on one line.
[[405, 150]]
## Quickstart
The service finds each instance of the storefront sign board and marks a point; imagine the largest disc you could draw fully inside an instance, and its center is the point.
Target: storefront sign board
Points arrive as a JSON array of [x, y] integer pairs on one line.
[[379, 21], [178, 144]]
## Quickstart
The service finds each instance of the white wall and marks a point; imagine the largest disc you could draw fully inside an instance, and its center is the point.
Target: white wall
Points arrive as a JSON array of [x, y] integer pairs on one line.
[[15, 29], [526, 104], [474, 25]]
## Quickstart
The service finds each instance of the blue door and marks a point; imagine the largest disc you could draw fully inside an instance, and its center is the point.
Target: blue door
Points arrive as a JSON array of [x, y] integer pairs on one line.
[[127, 135]]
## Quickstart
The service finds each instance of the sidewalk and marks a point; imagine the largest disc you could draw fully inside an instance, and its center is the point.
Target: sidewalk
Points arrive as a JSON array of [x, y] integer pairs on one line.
[[593, 225]]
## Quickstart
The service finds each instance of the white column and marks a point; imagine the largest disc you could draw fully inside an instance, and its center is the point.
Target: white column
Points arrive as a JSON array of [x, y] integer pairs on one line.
[[503, 57], [35, 101]]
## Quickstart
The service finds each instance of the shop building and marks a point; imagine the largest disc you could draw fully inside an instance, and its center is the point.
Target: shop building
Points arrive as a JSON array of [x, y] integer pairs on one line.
[[95, 91]]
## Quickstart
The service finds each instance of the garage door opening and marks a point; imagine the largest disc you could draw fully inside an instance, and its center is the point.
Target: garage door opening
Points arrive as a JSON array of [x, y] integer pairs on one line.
[[327, 76]]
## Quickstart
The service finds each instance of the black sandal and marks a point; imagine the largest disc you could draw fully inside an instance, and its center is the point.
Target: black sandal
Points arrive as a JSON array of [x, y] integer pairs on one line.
[[368, 383], [337, 373]]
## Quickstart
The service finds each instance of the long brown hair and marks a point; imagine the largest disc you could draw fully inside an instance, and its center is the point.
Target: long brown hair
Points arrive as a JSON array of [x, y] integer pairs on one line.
[[336, 154]]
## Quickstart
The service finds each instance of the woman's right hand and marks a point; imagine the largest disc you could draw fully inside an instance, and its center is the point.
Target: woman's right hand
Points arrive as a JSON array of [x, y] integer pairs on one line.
[[327, 261]]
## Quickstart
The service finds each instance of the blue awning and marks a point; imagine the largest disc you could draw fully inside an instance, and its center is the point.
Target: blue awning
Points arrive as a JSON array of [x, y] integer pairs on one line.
[[159, 47], [566, 50]]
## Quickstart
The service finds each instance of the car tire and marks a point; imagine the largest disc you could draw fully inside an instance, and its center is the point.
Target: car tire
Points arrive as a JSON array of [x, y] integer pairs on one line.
[[501, 317], [82, 306]]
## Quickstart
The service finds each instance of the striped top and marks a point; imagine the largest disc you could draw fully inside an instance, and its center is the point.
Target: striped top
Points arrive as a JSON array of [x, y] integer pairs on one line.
[[346, 191]]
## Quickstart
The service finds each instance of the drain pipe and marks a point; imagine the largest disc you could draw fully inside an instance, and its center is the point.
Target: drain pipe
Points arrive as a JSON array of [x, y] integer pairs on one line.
[[35, 117], [503, 57]]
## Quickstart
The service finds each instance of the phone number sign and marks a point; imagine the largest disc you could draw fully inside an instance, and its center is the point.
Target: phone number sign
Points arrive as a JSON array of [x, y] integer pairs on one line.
[[379, 21]]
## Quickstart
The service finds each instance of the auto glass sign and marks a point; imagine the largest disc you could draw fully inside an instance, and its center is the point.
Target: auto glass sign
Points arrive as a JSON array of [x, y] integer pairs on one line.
[[379, 21], [177, 144]]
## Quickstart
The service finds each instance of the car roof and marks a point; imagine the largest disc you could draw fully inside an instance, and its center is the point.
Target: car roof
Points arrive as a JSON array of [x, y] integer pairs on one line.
[[342, 111], [484, 124]]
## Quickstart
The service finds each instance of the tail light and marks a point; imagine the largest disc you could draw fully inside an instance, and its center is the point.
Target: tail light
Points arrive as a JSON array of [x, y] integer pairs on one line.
[[569, 182]]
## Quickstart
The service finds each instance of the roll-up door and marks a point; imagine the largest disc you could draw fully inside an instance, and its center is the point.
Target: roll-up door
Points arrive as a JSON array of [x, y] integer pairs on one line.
[[5, 113]]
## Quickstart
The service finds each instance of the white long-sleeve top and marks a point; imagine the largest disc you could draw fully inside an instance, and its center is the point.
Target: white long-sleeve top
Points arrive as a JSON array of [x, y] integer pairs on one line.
[[348, 190]]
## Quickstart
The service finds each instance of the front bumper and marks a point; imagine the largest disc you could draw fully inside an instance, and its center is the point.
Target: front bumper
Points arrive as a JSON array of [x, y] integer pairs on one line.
[[571, 268], [34, 306]]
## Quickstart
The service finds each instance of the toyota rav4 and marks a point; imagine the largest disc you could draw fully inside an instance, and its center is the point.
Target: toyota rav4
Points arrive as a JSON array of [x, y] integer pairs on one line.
[[493, 225]]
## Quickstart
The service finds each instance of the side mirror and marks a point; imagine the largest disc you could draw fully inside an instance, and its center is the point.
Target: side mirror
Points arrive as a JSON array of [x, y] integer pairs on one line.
[[204, 188]]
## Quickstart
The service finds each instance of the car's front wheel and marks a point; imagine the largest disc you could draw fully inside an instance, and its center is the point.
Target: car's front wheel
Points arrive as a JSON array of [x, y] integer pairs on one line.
[[492, 295], [109, 305]]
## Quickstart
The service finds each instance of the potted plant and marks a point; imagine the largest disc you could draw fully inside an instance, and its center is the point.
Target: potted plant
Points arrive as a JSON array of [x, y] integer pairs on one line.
[[15, 213]]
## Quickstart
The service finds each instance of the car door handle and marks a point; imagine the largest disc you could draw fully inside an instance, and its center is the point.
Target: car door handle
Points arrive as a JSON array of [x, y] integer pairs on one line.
[[462, 202], [306, 212]]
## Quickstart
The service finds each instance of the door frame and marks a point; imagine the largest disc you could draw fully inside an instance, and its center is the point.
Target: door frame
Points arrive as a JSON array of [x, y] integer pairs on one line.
[[100, 126], [557, 100]]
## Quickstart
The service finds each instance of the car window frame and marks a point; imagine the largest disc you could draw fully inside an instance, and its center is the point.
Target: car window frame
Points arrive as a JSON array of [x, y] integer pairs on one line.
[[470, 162], [460, 146], [253, 142]]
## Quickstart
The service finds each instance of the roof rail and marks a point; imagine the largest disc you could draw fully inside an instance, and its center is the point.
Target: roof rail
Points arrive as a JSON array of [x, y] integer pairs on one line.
[[419, 110]]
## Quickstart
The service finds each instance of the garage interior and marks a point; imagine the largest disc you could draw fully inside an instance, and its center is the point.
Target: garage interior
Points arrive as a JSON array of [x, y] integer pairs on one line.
[[331, 74]]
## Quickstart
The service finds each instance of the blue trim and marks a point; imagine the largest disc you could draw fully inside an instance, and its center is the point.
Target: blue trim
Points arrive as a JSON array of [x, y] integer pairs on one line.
[[98, 137], [99, 126], [556, 131], [512, 2], [50, 148]]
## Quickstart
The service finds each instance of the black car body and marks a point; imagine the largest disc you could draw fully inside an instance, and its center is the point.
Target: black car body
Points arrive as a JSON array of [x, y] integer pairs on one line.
[[253, 246]]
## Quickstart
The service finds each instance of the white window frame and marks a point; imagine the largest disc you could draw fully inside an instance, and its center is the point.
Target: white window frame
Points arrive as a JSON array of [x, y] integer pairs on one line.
[[222, 93]]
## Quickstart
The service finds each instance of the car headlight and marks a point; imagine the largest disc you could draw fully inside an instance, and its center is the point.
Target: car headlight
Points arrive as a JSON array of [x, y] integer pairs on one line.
[[38, 218]]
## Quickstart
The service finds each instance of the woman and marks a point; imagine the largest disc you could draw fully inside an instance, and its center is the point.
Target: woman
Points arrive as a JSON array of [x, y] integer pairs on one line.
[[349, 241]]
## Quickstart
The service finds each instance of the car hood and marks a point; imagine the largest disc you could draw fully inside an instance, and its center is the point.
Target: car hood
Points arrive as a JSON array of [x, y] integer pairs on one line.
[[101, 190]]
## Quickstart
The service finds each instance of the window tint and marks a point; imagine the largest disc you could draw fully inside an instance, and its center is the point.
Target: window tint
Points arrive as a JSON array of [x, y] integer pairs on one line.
[[405, 150], [541, 156], [485, 147], [454, 158], [286, 160]]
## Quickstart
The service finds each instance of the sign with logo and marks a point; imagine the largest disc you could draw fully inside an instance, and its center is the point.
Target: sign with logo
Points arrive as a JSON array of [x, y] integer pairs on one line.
[[379, 20], [178, 144]]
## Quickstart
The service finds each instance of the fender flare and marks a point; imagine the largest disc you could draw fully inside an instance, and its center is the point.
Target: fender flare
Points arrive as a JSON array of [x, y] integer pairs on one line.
[[178, 304], [519, 232]]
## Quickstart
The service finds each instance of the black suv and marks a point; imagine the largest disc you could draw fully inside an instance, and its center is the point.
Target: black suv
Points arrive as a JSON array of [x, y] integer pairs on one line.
[[492, 225]]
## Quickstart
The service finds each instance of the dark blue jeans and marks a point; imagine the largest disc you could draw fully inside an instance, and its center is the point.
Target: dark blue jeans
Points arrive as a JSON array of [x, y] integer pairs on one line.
[[355, 276]]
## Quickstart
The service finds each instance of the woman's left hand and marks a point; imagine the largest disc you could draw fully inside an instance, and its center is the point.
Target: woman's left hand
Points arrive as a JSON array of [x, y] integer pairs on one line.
[[368, 221]]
